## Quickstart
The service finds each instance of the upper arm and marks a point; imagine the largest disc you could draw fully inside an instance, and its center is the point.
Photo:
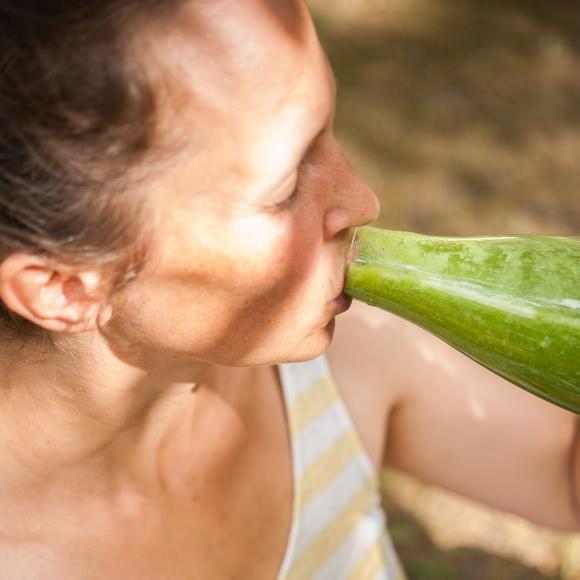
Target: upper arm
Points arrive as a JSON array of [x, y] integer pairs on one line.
[[458, 425], [366, 337]]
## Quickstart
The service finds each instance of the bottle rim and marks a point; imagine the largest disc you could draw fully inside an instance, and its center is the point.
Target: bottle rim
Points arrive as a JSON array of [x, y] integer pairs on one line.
[[354, 248]]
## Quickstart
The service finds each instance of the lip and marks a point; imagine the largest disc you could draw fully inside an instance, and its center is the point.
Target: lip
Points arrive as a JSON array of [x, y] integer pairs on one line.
[[342, 303]]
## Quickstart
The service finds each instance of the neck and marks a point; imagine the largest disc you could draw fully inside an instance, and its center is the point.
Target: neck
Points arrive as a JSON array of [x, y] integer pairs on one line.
[[83, 414]]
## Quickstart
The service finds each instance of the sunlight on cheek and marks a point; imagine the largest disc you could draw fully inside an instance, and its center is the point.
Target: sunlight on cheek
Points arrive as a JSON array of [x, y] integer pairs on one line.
[[262, 250], [258, 235]]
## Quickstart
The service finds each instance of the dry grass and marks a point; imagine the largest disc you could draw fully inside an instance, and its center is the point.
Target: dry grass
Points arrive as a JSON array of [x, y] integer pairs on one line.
[[464, 116]]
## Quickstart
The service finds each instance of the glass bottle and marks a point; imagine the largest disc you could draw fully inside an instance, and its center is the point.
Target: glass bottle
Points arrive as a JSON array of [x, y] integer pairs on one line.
[[511, 303]]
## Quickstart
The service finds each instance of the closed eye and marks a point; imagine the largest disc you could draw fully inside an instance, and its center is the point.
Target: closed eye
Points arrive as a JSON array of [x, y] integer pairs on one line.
[[290, 199]]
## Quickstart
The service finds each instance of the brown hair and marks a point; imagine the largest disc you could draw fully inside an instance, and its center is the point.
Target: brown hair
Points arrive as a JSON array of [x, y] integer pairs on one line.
[[77, 113]]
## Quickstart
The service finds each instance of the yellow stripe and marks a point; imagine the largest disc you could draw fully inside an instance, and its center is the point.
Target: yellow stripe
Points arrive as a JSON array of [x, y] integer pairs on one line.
[[319, 550], [310, 404], [370, 563], [327, 467]]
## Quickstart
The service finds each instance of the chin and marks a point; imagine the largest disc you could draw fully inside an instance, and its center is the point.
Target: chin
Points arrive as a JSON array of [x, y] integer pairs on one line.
[[312, 346]]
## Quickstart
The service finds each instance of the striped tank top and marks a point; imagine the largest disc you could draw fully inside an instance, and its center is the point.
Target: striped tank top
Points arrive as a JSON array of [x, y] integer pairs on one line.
[[338, 526]]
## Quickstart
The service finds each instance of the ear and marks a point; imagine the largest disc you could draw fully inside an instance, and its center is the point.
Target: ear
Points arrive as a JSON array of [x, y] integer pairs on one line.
[[50, 295]]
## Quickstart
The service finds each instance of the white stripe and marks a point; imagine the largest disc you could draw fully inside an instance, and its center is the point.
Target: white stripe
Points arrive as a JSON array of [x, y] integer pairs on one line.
[[326, 507], [335, 421], [299, 377], [350, 552], [392, 558], [318, 437], [347, 423]]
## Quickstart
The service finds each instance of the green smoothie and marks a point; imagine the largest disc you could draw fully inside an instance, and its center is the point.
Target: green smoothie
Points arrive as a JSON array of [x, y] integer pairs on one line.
[[511, 303]]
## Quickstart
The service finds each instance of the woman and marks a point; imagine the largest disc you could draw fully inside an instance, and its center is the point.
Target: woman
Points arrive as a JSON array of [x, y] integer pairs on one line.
[[176, 215]]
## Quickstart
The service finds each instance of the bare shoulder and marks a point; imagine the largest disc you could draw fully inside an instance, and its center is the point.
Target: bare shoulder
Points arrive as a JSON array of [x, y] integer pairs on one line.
[[366, 358], [452, 422], [371, 347], [381, 362]]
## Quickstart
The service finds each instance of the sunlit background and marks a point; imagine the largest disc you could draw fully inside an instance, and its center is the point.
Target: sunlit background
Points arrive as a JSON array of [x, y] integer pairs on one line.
[[464, 116]]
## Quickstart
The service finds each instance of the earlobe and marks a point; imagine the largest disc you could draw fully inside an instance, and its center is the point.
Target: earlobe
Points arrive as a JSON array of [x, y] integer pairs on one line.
[[48, 295]]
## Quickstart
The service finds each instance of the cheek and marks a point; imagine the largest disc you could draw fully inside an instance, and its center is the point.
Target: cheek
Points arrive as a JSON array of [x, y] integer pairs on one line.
[[215, 292], [272, 256]]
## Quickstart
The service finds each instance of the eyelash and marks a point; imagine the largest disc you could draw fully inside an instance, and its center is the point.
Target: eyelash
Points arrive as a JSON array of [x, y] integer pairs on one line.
[[288, 202], [290, 199]]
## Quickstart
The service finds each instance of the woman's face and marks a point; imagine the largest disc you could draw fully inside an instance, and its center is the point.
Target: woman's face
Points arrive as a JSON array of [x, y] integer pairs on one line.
[[252, 222]]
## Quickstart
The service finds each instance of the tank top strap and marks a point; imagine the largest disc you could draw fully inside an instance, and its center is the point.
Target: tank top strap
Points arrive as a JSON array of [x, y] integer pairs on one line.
[[317, 415], [338, 529]]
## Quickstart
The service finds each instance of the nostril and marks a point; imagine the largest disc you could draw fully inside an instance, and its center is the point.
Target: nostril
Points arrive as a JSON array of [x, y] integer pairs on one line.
[[362, 208], [337, 220]]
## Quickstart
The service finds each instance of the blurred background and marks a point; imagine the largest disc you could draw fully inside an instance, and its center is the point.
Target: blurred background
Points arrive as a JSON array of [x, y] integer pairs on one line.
[[464, 116]]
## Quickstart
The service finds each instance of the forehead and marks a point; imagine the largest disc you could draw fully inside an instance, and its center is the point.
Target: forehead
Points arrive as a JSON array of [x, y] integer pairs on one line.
[[252, 75]]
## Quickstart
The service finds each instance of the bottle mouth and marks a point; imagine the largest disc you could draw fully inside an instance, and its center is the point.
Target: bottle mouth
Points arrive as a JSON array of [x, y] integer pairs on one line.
[[354, 249]]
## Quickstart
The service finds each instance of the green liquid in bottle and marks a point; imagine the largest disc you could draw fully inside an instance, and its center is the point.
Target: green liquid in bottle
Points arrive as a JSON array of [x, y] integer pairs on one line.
[[511, 303]]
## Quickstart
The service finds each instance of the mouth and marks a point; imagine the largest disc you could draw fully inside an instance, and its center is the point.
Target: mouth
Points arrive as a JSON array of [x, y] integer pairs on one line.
[[342, 303]]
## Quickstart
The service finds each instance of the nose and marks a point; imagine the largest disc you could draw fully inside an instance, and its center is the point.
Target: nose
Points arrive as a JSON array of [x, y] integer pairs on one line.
[[352, 204]]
